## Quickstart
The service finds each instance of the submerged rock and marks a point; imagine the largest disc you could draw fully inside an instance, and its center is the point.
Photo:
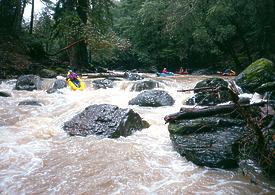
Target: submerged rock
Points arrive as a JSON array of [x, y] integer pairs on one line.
[[132, 76], [103, 83], [145, 85], [258, 73], [58, 84], [208, 141], [153, 98], [106, 121], [30, 103], [5, 94], [28, 82]]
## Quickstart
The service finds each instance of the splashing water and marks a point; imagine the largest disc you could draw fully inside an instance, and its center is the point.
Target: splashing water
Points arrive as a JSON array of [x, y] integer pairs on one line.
[[38, 157]]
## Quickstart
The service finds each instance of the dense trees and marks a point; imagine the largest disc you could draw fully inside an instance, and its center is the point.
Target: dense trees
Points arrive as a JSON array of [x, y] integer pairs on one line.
[[150, 33], [11, 15], [198, 32]]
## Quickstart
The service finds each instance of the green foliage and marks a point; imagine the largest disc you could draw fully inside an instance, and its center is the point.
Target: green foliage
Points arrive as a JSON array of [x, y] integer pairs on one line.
[[151, 33], [196, 32]]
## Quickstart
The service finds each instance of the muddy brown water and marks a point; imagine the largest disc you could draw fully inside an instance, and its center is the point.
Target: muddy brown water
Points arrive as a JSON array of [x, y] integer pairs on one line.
[[38, 157]]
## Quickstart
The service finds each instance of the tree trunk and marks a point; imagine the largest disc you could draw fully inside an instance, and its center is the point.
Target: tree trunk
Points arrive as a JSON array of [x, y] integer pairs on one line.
[[82, 11], [32, 14], [17, 19], [233, 55], [82, 55]]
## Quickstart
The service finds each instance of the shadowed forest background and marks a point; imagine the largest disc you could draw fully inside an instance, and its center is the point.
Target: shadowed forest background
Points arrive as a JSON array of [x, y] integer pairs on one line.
[[146, 35]]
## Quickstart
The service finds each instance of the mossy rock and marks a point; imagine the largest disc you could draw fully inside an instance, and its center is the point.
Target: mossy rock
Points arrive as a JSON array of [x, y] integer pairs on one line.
[[258, 73], [60, 70], [47, 73]]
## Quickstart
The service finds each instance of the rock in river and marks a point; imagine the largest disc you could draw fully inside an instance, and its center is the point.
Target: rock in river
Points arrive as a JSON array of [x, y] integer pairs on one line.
[[153, 98], [106, 121]]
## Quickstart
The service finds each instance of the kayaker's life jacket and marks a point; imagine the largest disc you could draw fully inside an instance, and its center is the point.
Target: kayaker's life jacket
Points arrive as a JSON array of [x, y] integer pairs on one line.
[[72, 75]]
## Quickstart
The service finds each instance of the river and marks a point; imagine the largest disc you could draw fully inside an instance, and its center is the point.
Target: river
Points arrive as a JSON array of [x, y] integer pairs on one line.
[[38, 157]]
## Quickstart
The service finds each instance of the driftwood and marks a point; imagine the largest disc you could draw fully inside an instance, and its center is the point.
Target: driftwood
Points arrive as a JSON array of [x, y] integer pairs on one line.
[[193, 113], [103, 75]]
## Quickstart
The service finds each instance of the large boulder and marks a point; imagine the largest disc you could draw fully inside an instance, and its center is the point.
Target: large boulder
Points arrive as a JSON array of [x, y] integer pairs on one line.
[[103, 83], [208, 97], [28, 82], [210, 141], [258, 73], [106, 121], [145, 85], [153, 98]]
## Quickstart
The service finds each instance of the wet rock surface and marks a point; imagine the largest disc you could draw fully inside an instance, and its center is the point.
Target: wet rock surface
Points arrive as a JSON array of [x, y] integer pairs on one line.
[[208, 97], [153, 98], [258, 73], [210, 141], [132, 76], [103, 83], [58, 84], [105, 120], [5, 94], [29, 103], [28, 82], [145, 85]]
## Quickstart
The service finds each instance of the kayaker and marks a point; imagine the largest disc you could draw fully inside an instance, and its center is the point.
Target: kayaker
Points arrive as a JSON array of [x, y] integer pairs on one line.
[[73, 77]]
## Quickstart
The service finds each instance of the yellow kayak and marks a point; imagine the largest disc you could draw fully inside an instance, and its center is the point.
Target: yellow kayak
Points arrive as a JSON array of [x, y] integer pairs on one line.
[[80, 85]]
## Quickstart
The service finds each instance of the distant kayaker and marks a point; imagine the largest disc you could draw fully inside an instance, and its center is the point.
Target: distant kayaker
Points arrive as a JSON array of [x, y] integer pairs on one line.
[[165, 71], [228, 72], [183, 70]]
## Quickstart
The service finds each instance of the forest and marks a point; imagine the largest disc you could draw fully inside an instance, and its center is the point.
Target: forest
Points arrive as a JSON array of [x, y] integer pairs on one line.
[[145, 35]]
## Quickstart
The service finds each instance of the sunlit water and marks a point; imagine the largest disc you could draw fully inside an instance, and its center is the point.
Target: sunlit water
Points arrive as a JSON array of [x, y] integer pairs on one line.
[[38, 157]]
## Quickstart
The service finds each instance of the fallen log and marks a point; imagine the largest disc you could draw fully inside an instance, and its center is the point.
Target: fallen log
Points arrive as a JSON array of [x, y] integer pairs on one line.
[[103, 75], [67, 47], [197, 89], [193, 113]]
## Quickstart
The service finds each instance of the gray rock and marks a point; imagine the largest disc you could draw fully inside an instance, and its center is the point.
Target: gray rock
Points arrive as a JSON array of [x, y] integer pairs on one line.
[[208, 141], [105, 121], [103, 83], [208, 98], [132, 76], [30, 103], [5, 94], [58, 84], [153, 98], [145, 85], [28, 82]]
